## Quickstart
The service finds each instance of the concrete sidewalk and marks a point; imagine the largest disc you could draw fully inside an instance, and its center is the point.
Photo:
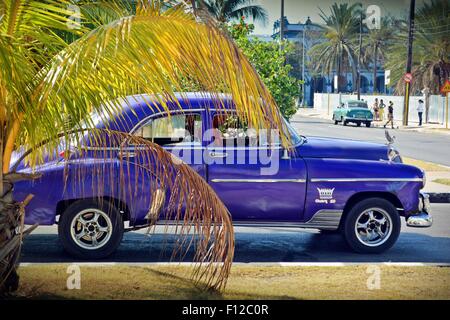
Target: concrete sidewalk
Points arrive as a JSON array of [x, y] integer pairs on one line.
[[435, 187]]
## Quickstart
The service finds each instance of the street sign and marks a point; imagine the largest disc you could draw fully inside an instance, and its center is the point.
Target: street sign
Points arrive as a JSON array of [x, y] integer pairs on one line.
[[407, 77], [446, 87], [387, 77], [336, 82]]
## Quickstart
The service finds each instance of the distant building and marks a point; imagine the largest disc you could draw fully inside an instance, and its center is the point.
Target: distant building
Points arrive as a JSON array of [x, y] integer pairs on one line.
[[262, 37], [310, 34]]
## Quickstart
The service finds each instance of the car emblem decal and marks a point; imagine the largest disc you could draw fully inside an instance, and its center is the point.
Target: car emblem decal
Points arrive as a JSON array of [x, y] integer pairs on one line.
[[325, 195]]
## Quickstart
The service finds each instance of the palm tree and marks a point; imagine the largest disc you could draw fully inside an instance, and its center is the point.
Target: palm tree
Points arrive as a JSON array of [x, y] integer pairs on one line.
[[376, 44], [226, 10], [49, 86], [431, 62], [337, 51]]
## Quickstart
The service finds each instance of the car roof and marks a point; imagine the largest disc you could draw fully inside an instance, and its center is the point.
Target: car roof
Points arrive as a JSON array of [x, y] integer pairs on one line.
[[136, 107], [356, 101], [185, 99]]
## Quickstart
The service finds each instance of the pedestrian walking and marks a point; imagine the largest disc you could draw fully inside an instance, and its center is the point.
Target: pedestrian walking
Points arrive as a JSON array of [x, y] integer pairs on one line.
[[376, 110], [390, 115], [381, 107], [426, 98], [420, 108]]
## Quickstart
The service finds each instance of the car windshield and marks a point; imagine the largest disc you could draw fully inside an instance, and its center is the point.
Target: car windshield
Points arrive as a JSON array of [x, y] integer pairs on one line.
[[295, 137], [357, 104]]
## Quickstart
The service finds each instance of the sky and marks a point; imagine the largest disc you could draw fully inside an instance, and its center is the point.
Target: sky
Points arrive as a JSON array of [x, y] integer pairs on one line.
[[299, 10]]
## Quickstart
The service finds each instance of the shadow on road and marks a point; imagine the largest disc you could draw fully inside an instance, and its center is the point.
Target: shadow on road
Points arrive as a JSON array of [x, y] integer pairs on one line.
[[254, 247]]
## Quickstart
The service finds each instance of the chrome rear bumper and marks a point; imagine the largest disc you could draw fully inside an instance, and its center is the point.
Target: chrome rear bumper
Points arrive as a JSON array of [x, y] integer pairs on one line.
[[423, 218]]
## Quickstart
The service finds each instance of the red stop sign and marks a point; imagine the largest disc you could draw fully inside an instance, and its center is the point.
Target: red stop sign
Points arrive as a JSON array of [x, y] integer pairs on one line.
[[407, 77]]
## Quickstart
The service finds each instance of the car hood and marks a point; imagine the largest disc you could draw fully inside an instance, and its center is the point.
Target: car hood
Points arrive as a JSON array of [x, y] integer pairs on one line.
[[316, 147]]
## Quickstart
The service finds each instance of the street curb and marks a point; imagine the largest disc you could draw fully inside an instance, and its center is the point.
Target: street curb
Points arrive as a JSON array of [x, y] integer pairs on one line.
[[241, 264], [439, 197]]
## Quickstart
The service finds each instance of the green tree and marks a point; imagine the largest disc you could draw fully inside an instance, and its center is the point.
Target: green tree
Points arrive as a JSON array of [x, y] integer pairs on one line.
[[48, 82], [337, 52], [226, 10], [376, 44], [431, 47], [269, 61]]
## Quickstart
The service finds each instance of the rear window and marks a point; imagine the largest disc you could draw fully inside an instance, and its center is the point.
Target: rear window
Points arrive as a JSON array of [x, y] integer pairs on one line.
[[357, 105]]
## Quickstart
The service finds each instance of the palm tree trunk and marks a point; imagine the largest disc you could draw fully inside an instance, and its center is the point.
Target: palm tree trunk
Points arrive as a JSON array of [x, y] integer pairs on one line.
[[339, 62], [375, 53], [10, 240]]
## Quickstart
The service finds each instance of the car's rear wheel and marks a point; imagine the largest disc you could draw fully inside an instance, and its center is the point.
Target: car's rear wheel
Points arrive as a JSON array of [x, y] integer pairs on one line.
[[90, 229], [358, 124], [372, 226], [343, 121]]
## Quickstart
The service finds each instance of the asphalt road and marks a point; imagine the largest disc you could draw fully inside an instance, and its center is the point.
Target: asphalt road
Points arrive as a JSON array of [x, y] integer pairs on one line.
[[430, 245], [433, 147]]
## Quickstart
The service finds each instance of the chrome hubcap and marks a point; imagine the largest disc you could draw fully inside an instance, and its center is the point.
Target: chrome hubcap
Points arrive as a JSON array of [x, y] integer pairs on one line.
[[373, 227], [91, 229]]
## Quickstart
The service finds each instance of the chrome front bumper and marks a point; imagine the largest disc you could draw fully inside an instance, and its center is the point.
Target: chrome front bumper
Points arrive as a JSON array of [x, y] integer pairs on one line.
[[357, 119], [423, 218]]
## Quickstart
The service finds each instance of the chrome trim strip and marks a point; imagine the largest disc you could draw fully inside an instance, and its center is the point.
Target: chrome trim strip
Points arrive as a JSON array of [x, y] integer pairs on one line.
[[366, 179], [322, 219], [326, 219], [260, 180], [358, 119], [154, 115], [141, 148]]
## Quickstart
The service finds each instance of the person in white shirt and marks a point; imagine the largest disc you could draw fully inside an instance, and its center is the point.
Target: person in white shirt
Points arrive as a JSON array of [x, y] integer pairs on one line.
[[420, 111]]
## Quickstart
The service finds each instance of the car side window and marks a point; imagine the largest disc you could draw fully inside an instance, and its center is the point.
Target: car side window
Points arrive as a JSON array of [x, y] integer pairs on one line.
[[230, 131], [177, 129]]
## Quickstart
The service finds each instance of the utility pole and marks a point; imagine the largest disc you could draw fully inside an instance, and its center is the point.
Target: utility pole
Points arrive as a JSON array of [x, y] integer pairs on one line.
[[358, 71], [303, 66], [412, 7], [282, 21]]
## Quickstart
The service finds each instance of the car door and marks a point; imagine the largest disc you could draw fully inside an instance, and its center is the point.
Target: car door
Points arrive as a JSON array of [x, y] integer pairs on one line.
[[180, 133], [254, 179]]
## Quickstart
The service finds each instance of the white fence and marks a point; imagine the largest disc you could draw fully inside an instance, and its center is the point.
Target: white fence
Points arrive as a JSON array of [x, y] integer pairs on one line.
[[327, 102]]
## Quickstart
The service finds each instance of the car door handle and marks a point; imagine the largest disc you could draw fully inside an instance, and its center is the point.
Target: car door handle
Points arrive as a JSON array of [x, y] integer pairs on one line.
[[218, 154]]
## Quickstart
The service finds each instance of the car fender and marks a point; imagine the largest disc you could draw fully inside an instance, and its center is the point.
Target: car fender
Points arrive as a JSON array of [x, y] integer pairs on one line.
[[333, 182]]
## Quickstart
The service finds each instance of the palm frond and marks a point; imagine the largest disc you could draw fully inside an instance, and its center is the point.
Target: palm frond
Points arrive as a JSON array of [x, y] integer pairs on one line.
[[49, 86]]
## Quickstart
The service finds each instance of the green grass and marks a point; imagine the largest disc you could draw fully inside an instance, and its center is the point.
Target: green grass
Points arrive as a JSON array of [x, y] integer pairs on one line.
[[245, 282], [443, 181], [425, 165]]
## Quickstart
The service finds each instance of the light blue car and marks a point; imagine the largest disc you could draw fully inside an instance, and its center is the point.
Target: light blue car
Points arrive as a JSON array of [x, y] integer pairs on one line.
[[353, 111]]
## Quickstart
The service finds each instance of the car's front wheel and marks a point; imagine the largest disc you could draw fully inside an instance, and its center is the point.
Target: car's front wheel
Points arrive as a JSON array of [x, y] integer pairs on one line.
[[90, 229], [334, 119], [372, 226], [368, 124]]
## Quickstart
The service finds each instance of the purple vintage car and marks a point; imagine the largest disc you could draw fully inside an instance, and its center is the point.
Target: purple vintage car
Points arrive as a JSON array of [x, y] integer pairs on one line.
[[357, 188]]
